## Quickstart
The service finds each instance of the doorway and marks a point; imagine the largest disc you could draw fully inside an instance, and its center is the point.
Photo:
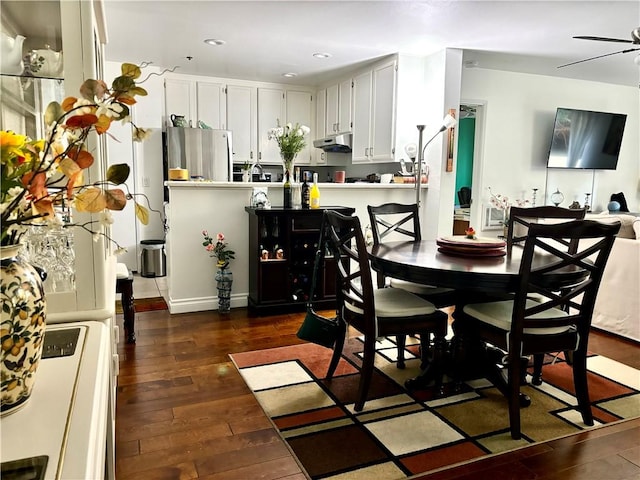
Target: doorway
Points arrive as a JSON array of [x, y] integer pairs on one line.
[[464, 169], [467, 211]]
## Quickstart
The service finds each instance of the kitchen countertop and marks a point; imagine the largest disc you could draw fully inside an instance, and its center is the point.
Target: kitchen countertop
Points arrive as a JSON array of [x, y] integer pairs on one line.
[[66, 416], [363, 185]]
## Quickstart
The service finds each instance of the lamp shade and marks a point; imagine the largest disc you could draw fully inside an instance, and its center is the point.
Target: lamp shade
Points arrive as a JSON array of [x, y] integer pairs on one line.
[[411, 150], [449, 122]]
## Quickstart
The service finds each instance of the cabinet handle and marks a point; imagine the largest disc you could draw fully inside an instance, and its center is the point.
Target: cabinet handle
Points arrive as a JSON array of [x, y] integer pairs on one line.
[[371, 151], [366, 152], [251, 154], [322, 155], [259, 155]]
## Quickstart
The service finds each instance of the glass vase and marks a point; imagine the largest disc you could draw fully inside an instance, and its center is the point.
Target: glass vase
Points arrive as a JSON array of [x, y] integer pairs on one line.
[[288, 165], [22, 330], [224, 281]]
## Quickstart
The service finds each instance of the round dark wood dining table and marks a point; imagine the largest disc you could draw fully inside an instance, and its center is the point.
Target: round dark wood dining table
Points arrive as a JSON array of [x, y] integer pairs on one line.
[[421, 262]]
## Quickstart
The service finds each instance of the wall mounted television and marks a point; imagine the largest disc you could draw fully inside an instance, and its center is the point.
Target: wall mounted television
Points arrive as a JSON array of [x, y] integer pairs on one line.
[[586, 139]]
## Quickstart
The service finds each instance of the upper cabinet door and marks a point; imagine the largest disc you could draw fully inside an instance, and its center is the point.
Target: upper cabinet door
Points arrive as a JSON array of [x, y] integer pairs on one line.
[[383, 114], [362, 85], [344, 109], [299, 110], [331, 123], [320, 132], [210, 104], [271, 109], [242, 116], [178, 99]]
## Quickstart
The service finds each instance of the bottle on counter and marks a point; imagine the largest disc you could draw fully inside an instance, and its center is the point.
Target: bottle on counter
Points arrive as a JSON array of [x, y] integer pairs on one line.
[[305, 190], [296, 190], [286, 203], [314, 193]]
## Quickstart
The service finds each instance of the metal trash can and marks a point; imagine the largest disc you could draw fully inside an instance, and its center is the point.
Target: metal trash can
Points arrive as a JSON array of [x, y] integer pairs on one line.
[[153, 261]]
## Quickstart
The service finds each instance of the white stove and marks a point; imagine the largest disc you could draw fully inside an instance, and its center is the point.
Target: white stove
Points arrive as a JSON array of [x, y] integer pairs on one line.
[[66, 418]]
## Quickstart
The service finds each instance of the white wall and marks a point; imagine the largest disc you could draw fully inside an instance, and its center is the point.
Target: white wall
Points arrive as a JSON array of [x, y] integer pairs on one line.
[[519, 115], [442, 84], [145, 161]]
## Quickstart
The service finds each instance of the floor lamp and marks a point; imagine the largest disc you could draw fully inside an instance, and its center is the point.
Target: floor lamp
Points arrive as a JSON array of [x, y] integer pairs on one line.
[[447, 123]]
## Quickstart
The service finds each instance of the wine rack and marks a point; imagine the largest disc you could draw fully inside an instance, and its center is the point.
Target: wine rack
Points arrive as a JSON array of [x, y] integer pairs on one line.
[[282, 247]]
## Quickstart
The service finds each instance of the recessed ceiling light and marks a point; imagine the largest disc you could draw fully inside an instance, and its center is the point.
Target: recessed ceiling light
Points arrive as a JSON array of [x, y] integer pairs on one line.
[[290, 75], [322, 55], [214, 42]]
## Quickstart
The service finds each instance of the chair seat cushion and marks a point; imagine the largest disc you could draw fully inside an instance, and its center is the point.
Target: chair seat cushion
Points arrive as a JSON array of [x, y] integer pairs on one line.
[[418, 288], [499, 314], [121, 271], [395, 302]]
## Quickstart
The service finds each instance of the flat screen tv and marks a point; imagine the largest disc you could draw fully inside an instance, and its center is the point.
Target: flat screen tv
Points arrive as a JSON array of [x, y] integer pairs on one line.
[[585, 139]]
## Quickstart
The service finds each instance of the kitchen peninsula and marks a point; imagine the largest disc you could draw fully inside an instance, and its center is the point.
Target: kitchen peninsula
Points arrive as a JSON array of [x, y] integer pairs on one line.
[[219, 207]]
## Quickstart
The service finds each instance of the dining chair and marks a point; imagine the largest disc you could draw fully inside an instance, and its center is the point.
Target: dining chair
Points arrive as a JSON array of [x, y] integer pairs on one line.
[[523, 326], [403, 219], [376, 312], [520, 218]]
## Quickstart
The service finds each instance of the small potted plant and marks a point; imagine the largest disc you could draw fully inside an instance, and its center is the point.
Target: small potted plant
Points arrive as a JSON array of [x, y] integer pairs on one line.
[[224, 278]]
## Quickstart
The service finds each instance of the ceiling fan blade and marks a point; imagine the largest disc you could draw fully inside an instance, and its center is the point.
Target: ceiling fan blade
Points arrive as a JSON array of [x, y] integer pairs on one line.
[[603, 39], [600, 56]]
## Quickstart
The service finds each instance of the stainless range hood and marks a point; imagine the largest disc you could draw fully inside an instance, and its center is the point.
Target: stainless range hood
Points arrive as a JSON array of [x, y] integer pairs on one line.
[[340, 142]]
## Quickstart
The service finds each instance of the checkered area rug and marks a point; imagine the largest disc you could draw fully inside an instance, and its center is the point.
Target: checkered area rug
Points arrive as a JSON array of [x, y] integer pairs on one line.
[[400, 434]]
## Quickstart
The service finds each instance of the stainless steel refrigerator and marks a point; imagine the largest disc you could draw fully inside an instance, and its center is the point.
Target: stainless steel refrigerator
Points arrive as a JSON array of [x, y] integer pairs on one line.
[[205, 153]]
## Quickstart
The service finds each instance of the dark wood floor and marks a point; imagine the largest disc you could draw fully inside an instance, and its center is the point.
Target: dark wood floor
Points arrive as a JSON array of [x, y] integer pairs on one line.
[[184, 412]]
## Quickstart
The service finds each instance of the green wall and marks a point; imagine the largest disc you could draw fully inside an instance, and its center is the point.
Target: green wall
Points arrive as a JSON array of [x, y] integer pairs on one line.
[[464, 170]]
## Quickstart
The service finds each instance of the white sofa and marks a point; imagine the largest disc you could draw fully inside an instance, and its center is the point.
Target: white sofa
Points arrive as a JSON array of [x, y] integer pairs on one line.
[[617, 308]]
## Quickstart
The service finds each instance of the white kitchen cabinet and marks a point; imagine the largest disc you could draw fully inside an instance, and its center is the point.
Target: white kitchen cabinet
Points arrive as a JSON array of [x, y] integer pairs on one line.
[[338, 110], [285, 106], [242, 120], [196, 101], [374, 114], [320, 157], [344, 108], [210, 105], [331, 120], [299, 110], [362, 86], [271, 110], [179, 99], [383, 114], [248, 109]]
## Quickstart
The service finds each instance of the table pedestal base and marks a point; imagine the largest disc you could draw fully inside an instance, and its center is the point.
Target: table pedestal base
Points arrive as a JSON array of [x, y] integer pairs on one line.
[[468, 361]]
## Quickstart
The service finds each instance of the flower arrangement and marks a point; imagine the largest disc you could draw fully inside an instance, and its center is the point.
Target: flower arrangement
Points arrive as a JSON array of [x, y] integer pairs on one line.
[[41, 177], [470, 233], [291, 141], [502, 202], [219, 249]]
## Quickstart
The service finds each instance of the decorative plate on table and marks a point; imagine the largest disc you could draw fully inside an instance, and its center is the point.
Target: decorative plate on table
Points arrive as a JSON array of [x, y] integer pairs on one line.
[[460, 245], [463, 241], [476, 252]]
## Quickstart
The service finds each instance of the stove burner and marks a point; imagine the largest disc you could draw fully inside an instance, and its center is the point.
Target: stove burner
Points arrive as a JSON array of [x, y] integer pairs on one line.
[[60, 343], [32, 468]]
